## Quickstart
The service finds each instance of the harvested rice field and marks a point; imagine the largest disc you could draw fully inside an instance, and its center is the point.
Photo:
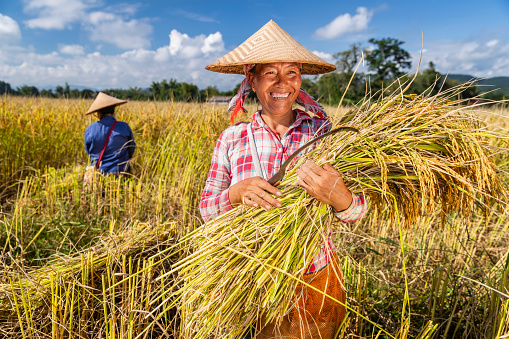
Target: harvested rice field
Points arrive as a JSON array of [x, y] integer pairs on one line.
[[131, 257]]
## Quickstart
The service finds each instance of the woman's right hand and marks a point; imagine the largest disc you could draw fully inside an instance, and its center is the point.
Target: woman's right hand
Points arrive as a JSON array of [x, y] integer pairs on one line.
[[254, 192]]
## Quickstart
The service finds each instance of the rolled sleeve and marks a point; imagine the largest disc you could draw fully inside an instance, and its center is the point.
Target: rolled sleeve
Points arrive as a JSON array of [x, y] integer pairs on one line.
[[215, 198], [355, 211]]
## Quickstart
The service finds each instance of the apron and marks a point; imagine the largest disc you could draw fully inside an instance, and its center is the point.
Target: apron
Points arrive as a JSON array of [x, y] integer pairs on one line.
[[314, 315]]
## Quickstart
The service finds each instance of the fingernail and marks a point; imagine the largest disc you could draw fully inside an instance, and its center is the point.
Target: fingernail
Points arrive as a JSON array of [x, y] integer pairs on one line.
[[279, 193], [267, 207], [255, 205], [278, 204]]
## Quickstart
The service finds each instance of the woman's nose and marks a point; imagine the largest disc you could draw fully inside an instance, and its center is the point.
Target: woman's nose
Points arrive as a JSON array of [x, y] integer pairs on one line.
[[281, 80]]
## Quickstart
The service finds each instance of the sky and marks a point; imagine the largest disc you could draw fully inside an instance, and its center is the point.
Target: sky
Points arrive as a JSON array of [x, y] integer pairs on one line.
[[101, 44]]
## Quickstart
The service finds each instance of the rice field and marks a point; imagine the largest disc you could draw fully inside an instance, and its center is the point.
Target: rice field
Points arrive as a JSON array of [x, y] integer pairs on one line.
[[99, 263]]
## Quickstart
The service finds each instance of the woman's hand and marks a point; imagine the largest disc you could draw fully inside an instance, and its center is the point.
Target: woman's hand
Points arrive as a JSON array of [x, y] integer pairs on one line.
[[325, 184], [254, 192]]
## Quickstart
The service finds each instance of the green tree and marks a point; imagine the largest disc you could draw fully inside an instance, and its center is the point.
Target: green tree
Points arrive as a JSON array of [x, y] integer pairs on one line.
[[87, 93], [190, 92], [28, 91], [5, 88], [60, 91], [429, 81], [309, 86], [387, 59], [348, 60], [330, 88], [47, 93]]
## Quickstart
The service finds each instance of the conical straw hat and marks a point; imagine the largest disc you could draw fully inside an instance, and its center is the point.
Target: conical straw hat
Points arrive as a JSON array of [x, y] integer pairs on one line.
[[104, 100], [270, 44]]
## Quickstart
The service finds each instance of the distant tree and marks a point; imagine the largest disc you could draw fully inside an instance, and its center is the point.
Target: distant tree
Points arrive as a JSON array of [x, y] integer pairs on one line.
[[348, 60], [60, 91], [209, 92], [429, 81], [330, 87], [28, 91], [87, 93], [47, 93], [75, 93], [67, 90], [5, 88], [309, 86], [388, 59], [190, 92]]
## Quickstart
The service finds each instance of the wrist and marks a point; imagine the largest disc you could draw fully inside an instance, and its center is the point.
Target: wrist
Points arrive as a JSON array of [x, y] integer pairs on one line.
[[343, 202]]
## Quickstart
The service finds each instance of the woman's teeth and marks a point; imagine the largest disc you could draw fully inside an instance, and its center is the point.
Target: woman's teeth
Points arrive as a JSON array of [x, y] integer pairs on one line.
[[279, 95]]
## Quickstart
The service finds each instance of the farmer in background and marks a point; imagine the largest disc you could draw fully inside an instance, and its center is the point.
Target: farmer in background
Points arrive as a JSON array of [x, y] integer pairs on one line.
[[273, 63], [114, 139]]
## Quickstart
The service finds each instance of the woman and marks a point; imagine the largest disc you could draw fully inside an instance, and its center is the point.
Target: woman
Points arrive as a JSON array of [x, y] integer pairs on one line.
[[118, 144], [273, 63]]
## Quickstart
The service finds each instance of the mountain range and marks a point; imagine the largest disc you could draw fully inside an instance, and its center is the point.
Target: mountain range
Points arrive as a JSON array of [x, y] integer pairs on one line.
[[499, 84]]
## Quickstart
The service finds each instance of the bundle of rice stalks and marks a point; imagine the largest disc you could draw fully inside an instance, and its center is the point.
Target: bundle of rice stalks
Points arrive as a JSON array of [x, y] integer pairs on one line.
[[412, 155], [104, 292]]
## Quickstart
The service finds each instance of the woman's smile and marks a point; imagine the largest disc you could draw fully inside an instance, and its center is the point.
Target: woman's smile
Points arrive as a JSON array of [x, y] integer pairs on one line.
[[279, 96]]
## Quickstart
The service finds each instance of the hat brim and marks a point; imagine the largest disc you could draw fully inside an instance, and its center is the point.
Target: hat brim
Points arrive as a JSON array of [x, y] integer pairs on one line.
[[307, 68]]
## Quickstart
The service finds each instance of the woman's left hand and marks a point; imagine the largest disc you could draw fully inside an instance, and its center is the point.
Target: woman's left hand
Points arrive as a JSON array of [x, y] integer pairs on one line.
[[325, 184]]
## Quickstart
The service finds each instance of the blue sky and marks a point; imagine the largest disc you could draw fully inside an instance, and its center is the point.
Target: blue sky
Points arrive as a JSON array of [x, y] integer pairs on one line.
[[121, 44]]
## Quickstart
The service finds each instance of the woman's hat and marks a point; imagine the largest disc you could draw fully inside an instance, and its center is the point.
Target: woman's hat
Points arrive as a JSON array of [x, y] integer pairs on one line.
[[270, 44], [103, 100]]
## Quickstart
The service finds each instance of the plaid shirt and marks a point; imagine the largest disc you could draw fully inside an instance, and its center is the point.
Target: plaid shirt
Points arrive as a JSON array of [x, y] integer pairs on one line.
[[232, 162]]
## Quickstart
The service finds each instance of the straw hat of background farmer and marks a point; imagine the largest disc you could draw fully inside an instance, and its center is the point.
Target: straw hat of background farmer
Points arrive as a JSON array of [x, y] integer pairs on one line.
[[120, 145], [273, 63]]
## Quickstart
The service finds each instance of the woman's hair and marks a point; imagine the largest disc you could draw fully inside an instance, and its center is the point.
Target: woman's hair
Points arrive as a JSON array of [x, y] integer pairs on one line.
[[110, 110]]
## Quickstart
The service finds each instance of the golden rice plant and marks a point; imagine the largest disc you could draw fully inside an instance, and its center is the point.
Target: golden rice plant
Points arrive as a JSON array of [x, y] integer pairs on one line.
[[412, 155], [104, 292]]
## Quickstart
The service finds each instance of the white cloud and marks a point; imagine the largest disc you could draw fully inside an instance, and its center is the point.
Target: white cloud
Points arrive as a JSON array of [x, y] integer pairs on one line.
[[476, 58], [55, 14], [492, 43], [9, 29], [184, 59], [72, 49], [191, 47], [345, 24], [325, 56], [111, 28]]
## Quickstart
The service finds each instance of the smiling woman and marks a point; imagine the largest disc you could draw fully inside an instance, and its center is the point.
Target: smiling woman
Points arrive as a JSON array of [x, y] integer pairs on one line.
[[247, 154]]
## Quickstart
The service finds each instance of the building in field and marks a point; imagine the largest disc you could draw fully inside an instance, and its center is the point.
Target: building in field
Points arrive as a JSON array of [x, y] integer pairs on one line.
[[219, 100]]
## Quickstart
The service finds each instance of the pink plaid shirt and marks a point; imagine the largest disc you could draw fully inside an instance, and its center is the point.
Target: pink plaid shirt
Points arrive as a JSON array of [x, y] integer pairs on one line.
[[232, 162]]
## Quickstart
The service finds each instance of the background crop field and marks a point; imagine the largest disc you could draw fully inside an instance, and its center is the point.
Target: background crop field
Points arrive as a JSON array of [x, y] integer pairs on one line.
[[68, 256]]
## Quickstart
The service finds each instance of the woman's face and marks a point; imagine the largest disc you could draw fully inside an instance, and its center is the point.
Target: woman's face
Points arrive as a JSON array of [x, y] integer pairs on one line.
[[277, 86]]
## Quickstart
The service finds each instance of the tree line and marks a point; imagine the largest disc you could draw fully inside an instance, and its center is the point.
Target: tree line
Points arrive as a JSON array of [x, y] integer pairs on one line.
[[159, 91], [387, 63]]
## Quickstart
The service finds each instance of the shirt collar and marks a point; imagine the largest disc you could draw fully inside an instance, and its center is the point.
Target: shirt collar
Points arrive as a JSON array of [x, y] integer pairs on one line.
[[108, 118], [301, 116]]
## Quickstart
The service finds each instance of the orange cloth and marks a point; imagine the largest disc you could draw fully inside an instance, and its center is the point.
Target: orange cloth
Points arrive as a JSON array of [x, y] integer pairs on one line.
[[315, 315]]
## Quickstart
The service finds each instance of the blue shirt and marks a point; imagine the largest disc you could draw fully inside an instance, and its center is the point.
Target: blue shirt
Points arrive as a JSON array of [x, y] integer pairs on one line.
[[120, 147]]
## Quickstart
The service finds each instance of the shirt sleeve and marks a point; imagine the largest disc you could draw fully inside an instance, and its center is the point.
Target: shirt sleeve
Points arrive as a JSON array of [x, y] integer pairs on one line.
[[356, 210], [131, 144], [215, 198], [88, 142]]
